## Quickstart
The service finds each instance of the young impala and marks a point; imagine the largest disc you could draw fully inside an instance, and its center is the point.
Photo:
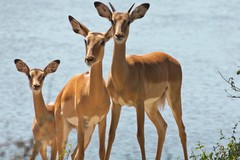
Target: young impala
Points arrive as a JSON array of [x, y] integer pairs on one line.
[[142, 81], [43, 124], [84, 101]]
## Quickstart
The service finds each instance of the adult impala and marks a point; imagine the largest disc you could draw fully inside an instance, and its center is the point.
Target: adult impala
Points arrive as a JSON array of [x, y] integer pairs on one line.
[[43, 124], [84, 101], [143, 81]]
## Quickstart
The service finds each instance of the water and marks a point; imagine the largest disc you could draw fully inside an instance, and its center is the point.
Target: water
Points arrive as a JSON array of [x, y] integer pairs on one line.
[[203, 36]]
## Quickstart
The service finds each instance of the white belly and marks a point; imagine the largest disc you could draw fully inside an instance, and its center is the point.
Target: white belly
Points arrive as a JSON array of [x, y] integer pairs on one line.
[[73, 121], [150, 100], [122, 102], [148, 104], [87, 121]]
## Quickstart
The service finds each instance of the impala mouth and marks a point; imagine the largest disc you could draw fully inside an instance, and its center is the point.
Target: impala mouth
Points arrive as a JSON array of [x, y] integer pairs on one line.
[[119, 38], [89, 61], [36, 88]]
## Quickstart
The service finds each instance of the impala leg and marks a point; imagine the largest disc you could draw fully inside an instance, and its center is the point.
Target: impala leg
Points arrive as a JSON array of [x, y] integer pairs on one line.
[[174, 100], [54, 150], [116, 110], [74, 154], [140, 128], [80, 129], [161, 127], [88, 131], [62, 130], [35, 150], [102, 134], [43, 151]]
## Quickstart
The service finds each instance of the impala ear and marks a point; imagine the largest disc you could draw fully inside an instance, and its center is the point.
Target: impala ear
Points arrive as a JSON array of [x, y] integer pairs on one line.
[[139, 11], [51, 67], [21, 66], [103, 10], [108, 34], [78, 27]]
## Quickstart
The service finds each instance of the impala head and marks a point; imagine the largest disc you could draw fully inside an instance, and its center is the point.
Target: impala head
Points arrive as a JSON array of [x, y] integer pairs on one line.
[[121, 20], [36, 76], [94, 41]]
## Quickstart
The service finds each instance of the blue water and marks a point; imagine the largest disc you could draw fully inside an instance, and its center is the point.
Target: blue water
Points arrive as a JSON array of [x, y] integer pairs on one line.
[[203, 36]]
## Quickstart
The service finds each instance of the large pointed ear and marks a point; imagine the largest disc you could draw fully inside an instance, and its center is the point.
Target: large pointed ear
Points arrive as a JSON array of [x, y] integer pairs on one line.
[[21, 66], [78, 27], [108, 34], [139, 11], [103, 10], [51, 67]]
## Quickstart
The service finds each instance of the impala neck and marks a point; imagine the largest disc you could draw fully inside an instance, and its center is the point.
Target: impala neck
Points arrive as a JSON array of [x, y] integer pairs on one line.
[[96, 80], [39, 107], [119, 68]]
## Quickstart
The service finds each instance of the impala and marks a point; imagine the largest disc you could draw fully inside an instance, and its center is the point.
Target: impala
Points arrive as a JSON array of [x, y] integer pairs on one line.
[[84, 101], [143, 81], [43, 124]]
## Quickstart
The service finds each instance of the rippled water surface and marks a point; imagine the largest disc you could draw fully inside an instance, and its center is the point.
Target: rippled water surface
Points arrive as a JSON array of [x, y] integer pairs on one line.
[[203, 36]]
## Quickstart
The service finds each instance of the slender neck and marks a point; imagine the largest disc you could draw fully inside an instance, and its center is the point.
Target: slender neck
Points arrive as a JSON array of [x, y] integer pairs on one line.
[[39, 106], [119, 68], [96, 80]]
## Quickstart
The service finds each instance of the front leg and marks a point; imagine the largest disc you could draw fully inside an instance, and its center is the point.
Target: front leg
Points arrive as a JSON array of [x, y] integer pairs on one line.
[[116, 110], [35, 149], [101, 133], [140, 128], [62, 131], [53, 149], [80, 129]]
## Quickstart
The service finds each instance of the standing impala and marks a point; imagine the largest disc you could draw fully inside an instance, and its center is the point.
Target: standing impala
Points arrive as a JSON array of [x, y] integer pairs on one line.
[[84, 101], [43, 124], [143, 81]]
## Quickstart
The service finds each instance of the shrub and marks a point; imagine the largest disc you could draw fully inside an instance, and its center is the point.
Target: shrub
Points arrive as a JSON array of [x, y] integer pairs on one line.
[[229, 151]]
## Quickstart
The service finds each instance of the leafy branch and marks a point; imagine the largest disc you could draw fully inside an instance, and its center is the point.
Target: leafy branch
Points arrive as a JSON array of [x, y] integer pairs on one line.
[[232, 84]]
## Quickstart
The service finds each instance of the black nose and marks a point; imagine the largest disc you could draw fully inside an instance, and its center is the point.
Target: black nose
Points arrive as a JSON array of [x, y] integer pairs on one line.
[[89, 59], [119, 36], [36, 86]]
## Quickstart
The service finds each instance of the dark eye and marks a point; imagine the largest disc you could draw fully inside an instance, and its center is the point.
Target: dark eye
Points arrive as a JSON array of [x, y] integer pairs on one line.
[[40, 77], [85, 41], [112, 22], [102, 43]]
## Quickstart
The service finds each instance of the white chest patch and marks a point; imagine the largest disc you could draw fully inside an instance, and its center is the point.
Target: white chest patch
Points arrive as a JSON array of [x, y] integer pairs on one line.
[[150, 100]]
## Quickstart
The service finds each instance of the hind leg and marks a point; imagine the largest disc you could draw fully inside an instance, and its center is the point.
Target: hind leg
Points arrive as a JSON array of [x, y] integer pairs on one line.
[[160, 124], [174, 101]]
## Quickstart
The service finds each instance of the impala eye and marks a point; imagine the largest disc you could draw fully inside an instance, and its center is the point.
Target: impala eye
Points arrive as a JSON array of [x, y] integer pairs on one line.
[[102, 43], [85, 41], [112, 22], [41, 77]]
